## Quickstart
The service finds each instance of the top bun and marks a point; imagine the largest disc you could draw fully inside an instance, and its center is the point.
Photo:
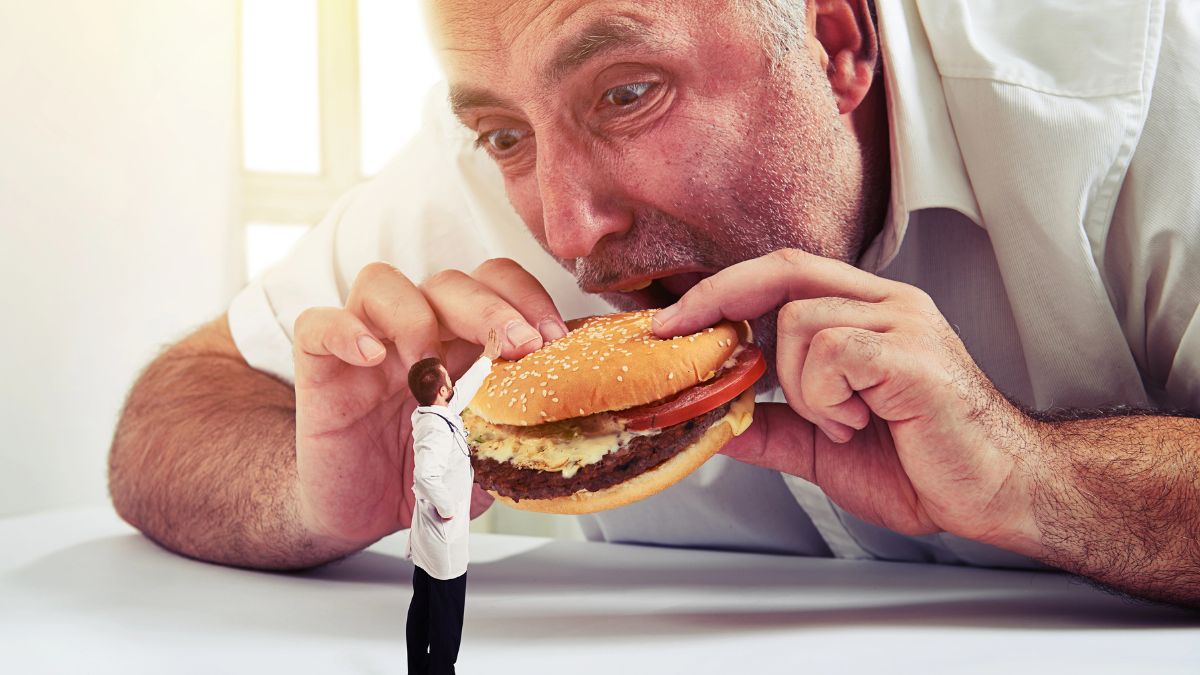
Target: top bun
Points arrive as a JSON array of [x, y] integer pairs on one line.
[[606, 362]]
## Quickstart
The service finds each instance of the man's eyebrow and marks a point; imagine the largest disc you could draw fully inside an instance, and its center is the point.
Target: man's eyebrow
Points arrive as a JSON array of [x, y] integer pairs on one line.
[[462, 98], [601, 36]]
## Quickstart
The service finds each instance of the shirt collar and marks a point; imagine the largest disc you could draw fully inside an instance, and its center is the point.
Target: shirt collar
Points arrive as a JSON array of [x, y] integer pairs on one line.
[[927, 166], [433, 408]]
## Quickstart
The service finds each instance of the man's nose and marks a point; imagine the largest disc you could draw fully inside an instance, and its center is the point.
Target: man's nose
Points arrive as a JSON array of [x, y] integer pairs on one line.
[[580, 202]]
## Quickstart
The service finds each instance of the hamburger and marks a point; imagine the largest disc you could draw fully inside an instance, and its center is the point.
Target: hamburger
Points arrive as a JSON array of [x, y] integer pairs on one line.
[[609, 413]]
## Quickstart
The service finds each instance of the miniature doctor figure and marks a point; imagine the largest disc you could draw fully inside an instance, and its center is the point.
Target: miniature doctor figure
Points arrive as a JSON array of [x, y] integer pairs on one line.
[[442, 483]]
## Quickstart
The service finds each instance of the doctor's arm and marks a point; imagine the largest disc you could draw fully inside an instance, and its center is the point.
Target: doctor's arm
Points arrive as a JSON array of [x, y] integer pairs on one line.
[[468, 385], [430, 447]]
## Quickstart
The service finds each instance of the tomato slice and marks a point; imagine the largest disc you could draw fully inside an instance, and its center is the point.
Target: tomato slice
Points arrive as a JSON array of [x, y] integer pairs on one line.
[[697, 400]]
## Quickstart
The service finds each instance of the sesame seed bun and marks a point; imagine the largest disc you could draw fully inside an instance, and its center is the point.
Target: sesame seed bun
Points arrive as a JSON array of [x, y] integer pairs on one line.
[[607, 362], [645, 484]]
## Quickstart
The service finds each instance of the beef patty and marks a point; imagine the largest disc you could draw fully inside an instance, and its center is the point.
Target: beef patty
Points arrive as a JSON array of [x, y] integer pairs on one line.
[[636, 457]]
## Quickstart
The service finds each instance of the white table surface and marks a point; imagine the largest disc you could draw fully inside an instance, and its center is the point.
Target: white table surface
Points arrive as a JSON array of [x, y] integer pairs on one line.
[[81, 592]]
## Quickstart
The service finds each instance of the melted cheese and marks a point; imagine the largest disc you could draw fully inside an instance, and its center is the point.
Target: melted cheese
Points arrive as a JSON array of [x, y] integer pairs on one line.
[[562, 446], [569, 445], [740, 414]]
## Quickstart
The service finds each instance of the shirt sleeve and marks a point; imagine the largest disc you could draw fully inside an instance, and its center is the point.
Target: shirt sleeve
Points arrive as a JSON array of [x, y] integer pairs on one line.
[[1151, 257], [431, 446], [468, 385]]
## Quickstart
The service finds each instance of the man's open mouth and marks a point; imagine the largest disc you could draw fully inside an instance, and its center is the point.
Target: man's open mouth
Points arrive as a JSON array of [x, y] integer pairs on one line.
[[654, 292]]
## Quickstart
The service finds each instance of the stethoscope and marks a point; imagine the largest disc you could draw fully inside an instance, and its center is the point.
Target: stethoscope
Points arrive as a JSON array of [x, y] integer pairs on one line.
[[454, 432]]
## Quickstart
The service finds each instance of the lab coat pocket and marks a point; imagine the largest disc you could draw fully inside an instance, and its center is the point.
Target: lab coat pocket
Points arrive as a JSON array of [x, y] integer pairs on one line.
[[437, 528]]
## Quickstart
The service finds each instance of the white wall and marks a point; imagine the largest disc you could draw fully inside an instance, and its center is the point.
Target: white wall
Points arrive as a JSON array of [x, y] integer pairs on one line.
[[117, 159]]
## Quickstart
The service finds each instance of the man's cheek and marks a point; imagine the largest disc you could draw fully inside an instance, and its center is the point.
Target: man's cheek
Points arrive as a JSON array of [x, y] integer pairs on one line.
[[523, 195]]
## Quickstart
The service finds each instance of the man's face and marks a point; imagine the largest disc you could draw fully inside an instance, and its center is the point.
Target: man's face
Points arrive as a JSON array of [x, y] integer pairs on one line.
[[653, 140]]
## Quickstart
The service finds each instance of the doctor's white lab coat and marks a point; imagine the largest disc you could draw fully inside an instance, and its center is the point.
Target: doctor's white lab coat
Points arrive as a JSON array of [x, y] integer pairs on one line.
[[442, 480]]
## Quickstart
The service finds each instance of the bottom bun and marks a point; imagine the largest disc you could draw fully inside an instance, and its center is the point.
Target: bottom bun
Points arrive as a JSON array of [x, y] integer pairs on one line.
[[642, 485]]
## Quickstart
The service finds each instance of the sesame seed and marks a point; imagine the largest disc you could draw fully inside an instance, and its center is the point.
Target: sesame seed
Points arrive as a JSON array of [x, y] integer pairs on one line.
[[581, 411], [674, 346], [595, 367], [555, 399], [620, 379], [523, 407], [531, 390], [625, 368], [543, 413], [671, 375], [541, 384]]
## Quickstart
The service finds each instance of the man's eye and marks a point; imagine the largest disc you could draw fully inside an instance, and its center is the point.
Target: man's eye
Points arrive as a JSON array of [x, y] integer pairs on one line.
[[501, 140], [627, 94]]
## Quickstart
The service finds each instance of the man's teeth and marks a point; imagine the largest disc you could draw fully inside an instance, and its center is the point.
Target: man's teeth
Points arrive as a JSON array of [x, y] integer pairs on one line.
[[635, 287]]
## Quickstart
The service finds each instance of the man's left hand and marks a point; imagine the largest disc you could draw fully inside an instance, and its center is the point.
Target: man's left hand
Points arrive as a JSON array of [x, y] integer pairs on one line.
[[914, 437]]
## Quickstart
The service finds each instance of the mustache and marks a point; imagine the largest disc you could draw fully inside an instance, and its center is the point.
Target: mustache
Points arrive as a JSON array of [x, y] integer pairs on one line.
[[655, 241]]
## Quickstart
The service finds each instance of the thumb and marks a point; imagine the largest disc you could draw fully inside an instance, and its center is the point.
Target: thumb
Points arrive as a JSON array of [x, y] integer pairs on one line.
[[778, 439]]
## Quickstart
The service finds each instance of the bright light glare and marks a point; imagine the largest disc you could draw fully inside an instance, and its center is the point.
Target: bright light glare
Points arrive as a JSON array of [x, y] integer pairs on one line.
[[268, 243], [396, 70], [281, 131]]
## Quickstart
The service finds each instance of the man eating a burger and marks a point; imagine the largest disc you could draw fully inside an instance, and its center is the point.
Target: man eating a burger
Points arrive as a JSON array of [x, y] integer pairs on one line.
[[971, 266]]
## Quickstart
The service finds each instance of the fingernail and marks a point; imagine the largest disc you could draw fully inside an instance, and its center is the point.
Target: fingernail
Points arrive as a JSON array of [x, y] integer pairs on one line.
[[369, 347], [663, 316], [519, 333], [551, 329]]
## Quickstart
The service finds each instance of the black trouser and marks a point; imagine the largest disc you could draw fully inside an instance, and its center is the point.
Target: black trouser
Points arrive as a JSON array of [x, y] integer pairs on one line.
[[435, 619]]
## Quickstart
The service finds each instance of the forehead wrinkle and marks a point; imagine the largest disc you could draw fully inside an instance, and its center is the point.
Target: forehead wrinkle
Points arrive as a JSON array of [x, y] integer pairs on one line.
[[598, 37]]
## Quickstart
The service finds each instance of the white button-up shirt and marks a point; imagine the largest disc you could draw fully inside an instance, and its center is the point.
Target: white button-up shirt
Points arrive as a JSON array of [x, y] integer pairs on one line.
[[1045, 192]]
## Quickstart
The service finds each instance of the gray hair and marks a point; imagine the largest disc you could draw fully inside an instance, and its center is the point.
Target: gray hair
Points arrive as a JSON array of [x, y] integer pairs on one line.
[[782, 25]]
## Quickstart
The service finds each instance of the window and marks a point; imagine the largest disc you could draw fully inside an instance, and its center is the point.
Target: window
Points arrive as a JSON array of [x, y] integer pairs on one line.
[[330, 91]]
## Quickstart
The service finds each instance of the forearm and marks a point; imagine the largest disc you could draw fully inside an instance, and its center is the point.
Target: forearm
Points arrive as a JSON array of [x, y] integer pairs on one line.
[[1117, 499], [203, 462]]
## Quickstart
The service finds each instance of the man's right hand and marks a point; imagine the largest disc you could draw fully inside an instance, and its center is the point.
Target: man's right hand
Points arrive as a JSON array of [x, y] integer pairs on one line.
[[354, 452]]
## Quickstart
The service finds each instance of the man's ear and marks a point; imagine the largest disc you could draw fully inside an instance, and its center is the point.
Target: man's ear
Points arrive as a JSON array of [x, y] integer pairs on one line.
[[848, 47]]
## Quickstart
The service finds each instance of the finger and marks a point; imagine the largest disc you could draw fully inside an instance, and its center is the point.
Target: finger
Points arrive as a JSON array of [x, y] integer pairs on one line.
[[396, 309], [469, 309], [798, 322], [327, 337], [754, 287], [843, 361], [525, 293], [777, 439]]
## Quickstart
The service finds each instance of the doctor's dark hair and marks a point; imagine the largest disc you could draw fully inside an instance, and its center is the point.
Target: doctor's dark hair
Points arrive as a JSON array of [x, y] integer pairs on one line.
[[424, 380]]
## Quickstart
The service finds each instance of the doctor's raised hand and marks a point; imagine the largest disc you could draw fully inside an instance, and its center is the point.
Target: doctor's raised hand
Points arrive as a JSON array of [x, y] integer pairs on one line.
[[354, 453], [886, 411]]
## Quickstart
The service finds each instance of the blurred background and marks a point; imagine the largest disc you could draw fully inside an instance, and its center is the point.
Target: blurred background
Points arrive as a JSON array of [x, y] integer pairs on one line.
[[158, 154]]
